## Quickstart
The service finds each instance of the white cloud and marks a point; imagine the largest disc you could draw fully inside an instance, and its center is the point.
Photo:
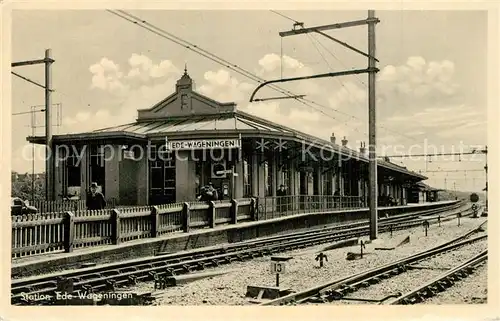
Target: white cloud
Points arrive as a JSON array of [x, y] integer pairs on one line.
[[222, 86], [145, 83], [106, 75], [419, 78], [415, 98]]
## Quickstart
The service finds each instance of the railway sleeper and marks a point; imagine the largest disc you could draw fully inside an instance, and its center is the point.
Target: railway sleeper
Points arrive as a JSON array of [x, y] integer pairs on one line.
[[187, 268], [180, 271], [170, 272], [88, 288], [132, 279], [316, 299], [364, 284], [427, 292], [110, 285], [333, 295]]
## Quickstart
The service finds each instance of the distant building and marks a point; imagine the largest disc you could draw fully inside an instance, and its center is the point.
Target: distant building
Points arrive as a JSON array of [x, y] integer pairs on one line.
[[421, 192]]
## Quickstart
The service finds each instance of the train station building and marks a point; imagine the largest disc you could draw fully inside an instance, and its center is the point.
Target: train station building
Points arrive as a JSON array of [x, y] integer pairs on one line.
[[188, 140]]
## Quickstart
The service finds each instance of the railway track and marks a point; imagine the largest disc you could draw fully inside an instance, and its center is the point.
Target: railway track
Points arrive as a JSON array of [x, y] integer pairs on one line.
[[442, 282], [111, 276], [337, 289]]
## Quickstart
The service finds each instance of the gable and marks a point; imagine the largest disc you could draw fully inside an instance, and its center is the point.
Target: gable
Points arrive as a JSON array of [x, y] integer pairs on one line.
[[185, 102]]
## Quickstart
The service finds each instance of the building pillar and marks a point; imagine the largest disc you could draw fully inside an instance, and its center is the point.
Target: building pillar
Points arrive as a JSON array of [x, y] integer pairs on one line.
[[142, 180], [238, 180], [262, 177], [255, 174], [112, 157], [274, 166], [339, 180], [317, 179], [85, 172]]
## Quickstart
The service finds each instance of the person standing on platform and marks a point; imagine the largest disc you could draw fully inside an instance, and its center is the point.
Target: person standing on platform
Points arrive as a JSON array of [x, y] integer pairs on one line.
[[213, 192], [282, 203], [95, 199], [208, 193]]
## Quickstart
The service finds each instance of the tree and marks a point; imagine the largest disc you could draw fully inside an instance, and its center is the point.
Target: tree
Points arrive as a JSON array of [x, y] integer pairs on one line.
[[22, 186]]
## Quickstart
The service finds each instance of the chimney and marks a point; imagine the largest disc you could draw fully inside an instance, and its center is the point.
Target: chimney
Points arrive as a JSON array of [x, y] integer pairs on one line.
[[344, 142], [332, 138], [362, 148]]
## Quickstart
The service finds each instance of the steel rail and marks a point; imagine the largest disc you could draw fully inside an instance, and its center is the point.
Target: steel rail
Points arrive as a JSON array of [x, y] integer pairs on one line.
[[442, 282], [222, 249], [109, 282], [134, 270], [337, 287], [96, 276]]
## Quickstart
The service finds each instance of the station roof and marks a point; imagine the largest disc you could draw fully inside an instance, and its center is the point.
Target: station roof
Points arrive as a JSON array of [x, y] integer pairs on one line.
[[424, 187], [188, 114]]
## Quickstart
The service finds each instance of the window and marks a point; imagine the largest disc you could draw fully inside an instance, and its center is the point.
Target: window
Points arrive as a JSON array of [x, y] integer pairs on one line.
[[97, 166], [285, 177], [73, 167], [327, 184], [268, 174], [183, 101], [71, 171], [162, 175]]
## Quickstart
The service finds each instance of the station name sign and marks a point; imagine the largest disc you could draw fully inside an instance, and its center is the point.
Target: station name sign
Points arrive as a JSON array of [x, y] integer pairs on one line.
[[202, 144]]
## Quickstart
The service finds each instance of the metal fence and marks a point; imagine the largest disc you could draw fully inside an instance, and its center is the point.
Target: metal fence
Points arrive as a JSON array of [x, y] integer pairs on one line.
[[279, 206]]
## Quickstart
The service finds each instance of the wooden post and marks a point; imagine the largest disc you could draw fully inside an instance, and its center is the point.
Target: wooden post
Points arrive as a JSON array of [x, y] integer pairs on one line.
[[69, 231], [234, 211], [115, 227], [185, 217], [155, 221], [211, 214]]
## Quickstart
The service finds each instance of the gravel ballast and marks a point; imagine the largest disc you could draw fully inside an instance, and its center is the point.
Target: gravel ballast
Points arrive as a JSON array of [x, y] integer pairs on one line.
[[302, 271], [412, 279], [471, 290]]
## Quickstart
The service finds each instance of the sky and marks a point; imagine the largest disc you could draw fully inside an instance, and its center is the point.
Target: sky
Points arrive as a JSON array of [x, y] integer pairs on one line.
[[431, 88]]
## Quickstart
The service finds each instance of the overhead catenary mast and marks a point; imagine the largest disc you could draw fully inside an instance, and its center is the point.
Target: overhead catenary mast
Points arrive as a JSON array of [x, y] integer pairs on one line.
[[371, 21]]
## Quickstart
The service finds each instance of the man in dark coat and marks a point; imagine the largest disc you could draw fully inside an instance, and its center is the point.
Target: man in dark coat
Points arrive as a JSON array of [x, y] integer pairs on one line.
[[208, 193], [95, 199]]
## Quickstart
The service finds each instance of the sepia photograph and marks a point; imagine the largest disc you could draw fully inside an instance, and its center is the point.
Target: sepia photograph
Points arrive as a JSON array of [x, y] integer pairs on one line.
[[249, 157]]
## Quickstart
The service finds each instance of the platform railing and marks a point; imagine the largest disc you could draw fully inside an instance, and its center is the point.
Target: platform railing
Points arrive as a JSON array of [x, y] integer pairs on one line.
[[279, 206], [66, 205], [69, 229]]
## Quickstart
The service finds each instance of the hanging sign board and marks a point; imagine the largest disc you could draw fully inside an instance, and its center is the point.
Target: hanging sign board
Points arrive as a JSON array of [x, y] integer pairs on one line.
[[203, 144]]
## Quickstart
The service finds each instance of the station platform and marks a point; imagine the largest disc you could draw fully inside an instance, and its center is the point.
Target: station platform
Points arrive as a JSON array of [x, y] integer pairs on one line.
[[197, 238]]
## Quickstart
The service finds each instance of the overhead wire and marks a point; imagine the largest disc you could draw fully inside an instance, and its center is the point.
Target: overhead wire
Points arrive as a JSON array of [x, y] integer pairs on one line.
[[345, 87], [193, 47]]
